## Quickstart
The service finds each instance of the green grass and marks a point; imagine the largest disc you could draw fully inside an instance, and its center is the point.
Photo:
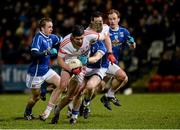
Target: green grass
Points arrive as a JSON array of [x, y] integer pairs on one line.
[[138, 111]]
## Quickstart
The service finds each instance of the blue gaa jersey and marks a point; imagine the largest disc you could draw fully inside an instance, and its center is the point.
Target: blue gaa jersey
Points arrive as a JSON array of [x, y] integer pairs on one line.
[[118, 36], [97, 47], [41, 42]]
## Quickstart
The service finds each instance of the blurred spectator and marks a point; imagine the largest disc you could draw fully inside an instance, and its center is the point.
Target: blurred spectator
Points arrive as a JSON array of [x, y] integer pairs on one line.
[[148, 21], [165, 65], [9, 53], [176, 62]]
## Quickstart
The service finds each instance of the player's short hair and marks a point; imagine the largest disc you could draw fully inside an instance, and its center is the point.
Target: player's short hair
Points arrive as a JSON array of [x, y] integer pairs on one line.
[[77, 30], [114, 11], [42, 22], [96, 14]]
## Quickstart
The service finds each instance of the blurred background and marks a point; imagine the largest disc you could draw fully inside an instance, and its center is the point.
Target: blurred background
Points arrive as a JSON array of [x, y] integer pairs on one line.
[[154, 66]]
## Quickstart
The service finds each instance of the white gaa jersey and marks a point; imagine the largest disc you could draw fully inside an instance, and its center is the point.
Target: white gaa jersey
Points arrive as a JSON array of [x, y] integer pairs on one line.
[[103, 33], [105, 30], [67, 51]]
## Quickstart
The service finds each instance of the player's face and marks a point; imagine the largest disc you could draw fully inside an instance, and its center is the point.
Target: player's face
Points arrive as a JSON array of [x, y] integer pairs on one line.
[[77, 41], [48, 28], [113, 20], [98, 22]]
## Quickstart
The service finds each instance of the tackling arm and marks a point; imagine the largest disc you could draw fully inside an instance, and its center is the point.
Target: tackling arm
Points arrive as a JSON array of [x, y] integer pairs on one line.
[[108, 43], [36, 54], [95, 58]]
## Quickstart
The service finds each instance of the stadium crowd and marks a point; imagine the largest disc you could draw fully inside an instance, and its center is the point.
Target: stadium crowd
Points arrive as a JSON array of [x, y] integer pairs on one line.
[[151, 22]]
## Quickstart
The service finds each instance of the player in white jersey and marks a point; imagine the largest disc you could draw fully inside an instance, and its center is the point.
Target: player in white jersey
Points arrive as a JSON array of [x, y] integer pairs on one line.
[[97, 71], [97, 26], [70, 51], [114, 70], [74, 45]]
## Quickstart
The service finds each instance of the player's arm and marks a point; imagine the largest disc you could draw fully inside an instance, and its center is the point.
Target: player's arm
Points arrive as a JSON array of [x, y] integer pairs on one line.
[[90, 60], [108, 43], [36, 54], [36, 43], [93, 36], [56, 40], [64, 66], [129, 39], [61, 62], [96, 57], [35, 49]]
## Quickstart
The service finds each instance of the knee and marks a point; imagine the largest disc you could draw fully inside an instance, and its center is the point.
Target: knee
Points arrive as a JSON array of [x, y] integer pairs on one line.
[[126, 79], [121, 76], [63, 85], [90, 85], [58, 83]]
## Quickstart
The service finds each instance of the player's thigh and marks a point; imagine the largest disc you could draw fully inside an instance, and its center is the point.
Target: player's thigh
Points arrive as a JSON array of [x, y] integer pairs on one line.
[[52, 77], [64, 79], [55, 79], [73, 87], [116, 71], [93, 82], [34, 82], [112, 69], [120, 74]]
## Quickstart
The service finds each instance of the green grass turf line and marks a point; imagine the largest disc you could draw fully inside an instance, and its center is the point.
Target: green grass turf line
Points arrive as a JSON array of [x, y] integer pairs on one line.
[[138, 111]]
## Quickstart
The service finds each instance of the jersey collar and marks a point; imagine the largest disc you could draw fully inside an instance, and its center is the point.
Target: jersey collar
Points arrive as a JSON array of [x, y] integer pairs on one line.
[[43, 34], [115, 29]]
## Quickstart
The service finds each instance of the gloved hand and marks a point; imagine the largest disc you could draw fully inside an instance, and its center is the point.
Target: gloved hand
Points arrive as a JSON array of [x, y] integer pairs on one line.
[[51, 52], [83, 59], [130, 40], [76, 71], [111, 58]]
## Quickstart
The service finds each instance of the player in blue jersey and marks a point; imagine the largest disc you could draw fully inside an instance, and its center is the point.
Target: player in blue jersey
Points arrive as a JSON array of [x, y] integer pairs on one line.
[[44, 46], [118, 36]]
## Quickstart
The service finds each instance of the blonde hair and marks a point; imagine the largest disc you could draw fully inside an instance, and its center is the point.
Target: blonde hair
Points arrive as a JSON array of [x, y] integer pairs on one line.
[[42, 22], [114, 11]]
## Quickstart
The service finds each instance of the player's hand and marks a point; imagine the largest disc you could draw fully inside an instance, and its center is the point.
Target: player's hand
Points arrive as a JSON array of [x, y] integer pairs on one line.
[[52, 51], [83, 59], [130, 40], [76, 71], [111, 58]]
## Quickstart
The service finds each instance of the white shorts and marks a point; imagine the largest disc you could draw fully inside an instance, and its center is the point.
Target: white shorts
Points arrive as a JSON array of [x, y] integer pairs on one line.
[[112, 69], [101, 72], [36, 81]]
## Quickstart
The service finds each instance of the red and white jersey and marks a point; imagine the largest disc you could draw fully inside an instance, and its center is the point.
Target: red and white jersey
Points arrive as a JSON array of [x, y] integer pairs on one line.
[[67, 50], [105, 30], [103, 33]]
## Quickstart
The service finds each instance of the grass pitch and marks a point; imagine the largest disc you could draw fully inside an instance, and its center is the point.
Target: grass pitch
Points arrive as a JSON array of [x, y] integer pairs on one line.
[[138, 111]]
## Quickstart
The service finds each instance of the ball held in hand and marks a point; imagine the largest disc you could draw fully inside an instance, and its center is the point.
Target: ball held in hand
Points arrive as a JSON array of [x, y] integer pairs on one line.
[[74, 63]]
